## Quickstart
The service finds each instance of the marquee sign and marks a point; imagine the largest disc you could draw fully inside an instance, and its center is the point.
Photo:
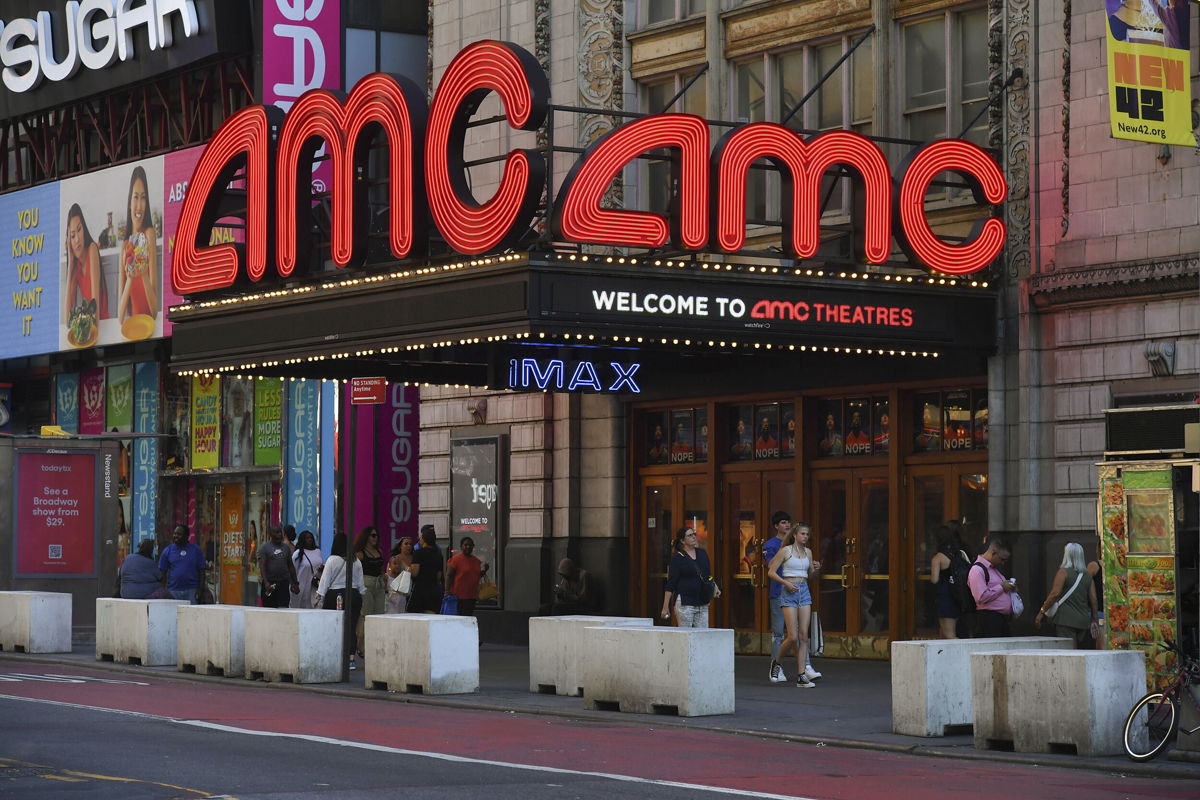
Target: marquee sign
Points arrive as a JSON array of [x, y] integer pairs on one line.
[[427, 174]]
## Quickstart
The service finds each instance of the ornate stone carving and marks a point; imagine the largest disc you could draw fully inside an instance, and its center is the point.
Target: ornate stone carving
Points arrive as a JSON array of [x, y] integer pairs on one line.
[[1016, 20], [601, 71], [1130, 279]]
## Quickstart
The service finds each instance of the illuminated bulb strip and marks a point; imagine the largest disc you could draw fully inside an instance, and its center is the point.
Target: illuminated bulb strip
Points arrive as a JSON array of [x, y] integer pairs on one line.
[[578, 216], [918, 239], [466, 225], [802, 165], [197, 268], [399, 109]]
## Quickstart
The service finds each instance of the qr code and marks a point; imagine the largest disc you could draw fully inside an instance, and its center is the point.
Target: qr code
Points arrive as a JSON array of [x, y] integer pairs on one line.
[[56, 551]]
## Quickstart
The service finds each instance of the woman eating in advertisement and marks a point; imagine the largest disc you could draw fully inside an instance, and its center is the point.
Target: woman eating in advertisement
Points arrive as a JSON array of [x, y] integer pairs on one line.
[[86, 299], [139, 254]]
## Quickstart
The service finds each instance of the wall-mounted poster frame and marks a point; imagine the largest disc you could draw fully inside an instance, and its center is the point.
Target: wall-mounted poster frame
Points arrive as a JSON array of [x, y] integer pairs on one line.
[[479, 502]]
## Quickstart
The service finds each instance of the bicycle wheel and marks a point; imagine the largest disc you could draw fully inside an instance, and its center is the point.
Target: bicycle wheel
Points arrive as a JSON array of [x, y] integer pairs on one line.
[[1149, 726]]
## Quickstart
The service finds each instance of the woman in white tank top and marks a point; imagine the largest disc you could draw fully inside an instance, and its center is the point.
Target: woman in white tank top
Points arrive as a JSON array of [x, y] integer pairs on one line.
[[791, 567]]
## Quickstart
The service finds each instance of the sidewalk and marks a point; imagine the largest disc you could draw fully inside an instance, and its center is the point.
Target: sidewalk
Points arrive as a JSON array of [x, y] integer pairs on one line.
[[851, 707]]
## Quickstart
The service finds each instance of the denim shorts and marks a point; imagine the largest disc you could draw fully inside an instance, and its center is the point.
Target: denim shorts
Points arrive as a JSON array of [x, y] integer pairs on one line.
[[796, 599]]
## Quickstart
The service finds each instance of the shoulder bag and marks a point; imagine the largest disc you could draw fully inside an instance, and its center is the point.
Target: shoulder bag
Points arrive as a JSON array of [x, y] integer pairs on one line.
[[816, 635], [1050, 612], [402, 583]]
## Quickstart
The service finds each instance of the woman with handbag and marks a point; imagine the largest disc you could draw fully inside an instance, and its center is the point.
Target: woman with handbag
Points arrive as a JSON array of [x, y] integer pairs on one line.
[[1071, 604], [689, 575], [309, 562], [791, 568], [400, 574]]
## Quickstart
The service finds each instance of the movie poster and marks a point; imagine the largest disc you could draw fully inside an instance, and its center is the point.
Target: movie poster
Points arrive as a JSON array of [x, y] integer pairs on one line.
[[927, 422], [981, 418], [787, 427], [766, 433], [701, 417], [829, 428], [882, 420], [683, 449], [858, 427], [1149, 70], [741, 433], [957, 421], [657, 447]]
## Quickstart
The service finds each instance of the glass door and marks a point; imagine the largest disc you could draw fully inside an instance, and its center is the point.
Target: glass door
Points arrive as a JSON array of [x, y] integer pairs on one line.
[[656, 524], [852, 539], [938, 494], [749, 501]]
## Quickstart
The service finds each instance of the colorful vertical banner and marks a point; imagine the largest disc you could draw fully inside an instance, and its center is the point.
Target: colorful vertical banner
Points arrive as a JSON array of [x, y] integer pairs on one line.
[[6, 406], [1149, 71], [300, 478], [91, 401], [237, 422], [268, 420], [66, 401], [110, 270], [357, 460], [301, 50], [206, 421], [233, 543], [146, 392], [397, 449], [29, 294], [328, 462], [118, 410]]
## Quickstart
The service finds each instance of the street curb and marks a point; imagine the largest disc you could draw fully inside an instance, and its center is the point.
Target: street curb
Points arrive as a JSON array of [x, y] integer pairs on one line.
[[1171, 770]]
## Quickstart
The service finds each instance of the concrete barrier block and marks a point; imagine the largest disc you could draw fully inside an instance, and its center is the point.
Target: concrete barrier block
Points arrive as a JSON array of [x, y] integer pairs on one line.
[[294, 645], [931, 680], [556, 650], [212, 640], [35, 622], [421, 653], [137, 631], [686, 671], [1055, 701]]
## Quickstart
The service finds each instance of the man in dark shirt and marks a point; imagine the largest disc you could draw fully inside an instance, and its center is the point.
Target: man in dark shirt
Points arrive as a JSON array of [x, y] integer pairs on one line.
[[277, 573]]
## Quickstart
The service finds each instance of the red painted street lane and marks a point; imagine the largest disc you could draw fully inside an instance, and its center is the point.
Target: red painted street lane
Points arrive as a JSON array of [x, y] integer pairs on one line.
[[666, 754]]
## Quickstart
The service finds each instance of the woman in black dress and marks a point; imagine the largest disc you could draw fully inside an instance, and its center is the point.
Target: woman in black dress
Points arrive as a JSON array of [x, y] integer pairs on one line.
[[426, 595]]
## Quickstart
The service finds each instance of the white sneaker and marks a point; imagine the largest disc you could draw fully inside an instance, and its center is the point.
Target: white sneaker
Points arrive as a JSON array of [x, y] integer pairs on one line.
[[804, 683], [777, 674], [353, 666], [811, 673]]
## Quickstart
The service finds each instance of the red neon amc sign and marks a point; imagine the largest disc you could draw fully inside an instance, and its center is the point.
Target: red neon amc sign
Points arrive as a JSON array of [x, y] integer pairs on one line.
[[427, 179]]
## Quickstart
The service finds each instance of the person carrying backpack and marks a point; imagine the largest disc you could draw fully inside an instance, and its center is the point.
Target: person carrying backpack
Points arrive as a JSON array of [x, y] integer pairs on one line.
[[948, 571]]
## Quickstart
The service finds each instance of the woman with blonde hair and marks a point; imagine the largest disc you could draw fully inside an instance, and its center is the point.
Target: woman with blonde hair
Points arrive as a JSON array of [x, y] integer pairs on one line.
[[791, 567], [1071, 604]]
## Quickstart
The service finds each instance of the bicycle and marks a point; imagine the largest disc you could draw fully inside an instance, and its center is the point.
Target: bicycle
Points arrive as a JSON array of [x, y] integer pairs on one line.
[[1153, 719]]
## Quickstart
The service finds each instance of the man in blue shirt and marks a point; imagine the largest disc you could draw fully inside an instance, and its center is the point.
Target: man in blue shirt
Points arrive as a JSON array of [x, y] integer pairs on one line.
[[184, 566], [781, 521]]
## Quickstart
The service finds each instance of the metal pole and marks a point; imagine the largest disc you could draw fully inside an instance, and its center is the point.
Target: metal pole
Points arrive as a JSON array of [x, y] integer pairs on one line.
[[1016, 73], [348, 638], [686, 86], [828, 74]]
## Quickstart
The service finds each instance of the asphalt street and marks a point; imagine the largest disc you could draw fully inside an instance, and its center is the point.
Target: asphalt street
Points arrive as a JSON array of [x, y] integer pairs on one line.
[[87, 733]]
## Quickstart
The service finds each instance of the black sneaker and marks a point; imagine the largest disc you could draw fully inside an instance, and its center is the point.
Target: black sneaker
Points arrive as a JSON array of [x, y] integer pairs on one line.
[[777, 675], [804, 683]]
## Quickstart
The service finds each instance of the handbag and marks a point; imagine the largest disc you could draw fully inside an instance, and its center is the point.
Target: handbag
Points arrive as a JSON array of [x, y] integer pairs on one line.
[[1054, 608], [708, 588], [401, 584], [1018, 605], [816, 635], [488, 590], [449, 605]]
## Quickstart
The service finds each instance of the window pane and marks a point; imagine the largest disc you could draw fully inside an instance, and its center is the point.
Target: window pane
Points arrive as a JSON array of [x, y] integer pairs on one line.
[[657, 97], [829, 96], [693, 7], [974, 71], [360, 54], [862, 90], [791, 85], [927, 125], [403, 54], [658, 186], [659, 10], [751, 99], [924, 65]]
